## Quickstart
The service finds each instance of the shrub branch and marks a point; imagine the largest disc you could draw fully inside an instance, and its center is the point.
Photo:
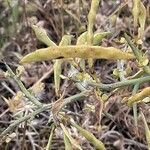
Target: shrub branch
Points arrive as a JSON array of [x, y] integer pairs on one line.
[[22, 87], [112, 86]]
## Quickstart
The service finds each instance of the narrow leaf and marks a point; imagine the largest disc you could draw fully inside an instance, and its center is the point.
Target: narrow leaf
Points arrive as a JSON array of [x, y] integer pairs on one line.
[[66, 40], [72, 141], [42, 35], [90, 137], [97, 39], [68, 145], [82, 39]]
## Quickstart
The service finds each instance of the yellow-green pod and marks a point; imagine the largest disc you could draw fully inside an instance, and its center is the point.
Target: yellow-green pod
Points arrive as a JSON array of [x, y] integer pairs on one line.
[[57, 73], [142, 20], [90, 137], [82, 39], [139, 96], [59, 52], [91, 21], [135, 12]]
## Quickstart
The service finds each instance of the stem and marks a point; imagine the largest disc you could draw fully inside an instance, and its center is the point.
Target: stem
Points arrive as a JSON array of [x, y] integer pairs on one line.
[[136, 87], [22, 119], [75, 97], [109, 87], [44, 107], [22, 88]]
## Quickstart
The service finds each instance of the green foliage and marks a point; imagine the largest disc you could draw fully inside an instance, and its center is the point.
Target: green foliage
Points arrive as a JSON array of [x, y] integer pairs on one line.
[[88, 47]]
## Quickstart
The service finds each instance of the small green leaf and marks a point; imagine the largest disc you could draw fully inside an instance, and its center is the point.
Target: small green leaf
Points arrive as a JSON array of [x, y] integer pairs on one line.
[[128, 69], [98, 37], [66, 40], [42, 35], [82, 39], [116, 73]]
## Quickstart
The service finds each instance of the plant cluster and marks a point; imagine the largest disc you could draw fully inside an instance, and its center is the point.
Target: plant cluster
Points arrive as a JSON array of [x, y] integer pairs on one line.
[[80, 59]]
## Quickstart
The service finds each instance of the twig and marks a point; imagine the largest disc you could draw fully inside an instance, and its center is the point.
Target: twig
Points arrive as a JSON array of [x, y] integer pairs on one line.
[[75, 97], [22, 87], [44, 107], [4, 112], [7, 87], [22, 119], [24, 136], [31, 140], [45, 75], [136, 143], [136, 87], [109, 87]]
